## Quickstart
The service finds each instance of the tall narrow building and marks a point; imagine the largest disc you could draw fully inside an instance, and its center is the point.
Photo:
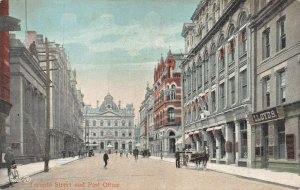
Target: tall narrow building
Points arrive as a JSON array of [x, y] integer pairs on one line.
[[7, 24]]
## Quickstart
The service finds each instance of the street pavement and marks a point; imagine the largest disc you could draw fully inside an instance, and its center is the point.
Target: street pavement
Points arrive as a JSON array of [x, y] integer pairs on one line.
[[280, 178], [128, 174]]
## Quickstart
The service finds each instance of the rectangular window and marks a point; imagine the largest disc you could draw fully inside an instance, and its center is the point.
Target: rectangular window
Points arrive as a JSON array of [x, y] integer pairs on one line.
[[222, 96], [281, 36], [232, 90], [266, 92], [282, 87], [213, 101], [281, 139], [244, 91], [266, 43]]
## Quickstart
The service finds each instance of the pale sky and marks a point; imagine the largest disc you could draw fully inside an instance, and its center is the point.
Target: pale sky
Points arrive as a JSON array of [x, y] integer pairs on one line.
[[114, 45]]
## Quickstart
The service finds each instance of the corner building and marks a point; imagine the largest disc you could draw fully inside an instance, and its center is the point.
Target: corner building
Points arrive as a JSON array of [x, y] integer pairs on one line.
[[167, 104], [217, 80], [276, 120], [107, 125]]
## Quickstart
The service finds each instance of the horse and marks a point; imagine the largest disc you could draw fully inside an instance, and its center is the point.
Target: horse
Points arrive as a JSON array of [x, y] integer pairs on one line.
[[199, 157]]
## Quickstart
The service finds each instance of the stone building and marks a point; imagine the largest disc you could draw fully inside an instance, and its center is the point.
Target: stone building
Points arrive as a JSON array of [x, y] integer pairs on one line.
[[276, 55], [147, 123], [217, 80], [7, 24], [167, 103], [66, 101], [109, 127], [28, 97]]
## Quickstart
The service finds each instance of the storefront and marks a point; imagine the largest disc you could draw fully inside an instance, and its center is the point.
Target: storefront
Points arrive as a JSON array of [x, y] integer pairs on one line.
[[277, 138]]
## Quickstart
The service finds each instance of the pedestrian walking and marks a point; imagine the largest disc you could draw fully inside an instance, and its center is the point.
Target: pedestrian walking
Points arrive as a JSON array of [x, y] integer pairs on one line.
[[136, 154], [177, 157], [126, 152], [105, 159]]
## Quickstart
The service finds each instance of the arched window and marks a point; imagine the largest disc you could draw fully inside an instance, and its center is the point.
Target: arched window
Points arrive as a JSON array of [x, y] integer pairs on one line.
[[206, 69], [116, 123], [194, 79], [173, 92], [101, 123], [221, 55], [171, 115], [116, 133], [199, 76], [242, 35], [213, 61], [123, 123], [231, 44], [94, 123]]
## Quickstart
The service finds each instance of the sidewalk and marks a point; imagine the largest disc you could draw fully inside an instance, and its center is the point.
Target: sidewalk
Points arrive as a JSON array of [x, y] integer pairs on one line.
[[33, 168], [280, 178]]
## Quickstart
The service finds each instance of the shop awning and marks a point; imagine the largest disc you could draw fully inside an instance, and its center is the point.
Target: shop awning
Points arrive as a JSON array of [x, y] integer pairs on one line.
[[215, 128], [188, 140]]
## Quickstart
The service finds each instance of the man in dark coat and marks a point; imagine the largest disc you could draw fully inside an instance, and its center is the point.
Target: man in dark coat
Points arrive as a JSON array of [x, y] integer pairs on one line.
[[177, 156], [136, 153], [105, 158]]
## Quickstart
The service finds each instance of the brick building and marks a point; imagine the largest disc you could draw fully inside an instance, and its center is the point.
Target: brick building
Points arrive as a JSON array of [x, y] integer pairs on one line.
[[7, 24], [167, 103]]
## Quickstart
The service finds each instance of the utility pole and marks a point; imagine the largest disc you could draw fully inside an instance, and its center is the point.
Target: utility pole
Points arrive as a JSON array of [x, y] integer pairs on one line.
[[47, 142]]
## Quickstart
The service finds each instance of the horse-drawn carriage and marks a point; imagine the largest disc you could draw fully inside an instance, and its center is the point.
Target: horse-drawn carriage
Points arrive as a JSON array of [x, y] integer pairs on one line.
[[195, 157]]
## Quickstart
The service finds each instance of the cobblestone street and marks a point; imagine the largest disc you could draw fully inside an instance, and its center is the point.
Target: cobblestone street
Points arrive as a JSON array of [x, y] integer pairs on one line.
[[126, 174]]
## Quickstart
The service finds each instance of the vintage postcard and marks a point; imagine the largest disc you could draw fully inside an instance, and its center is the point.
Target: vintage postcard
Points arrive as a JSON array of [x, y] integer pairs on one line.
[[149, 94]]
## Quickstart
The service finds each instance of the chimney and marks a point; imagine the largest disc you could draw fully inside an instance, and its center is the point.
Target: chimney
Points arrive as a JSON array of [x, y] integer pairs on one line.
[[97, 104], [119, 104]]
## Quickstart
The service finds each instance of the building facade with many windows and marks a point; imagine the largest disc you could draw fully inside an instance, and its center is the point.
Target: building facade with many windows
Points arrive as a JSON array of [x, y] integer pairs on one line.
[[109, 127], [276, 54], [167, 103], [217, 80]]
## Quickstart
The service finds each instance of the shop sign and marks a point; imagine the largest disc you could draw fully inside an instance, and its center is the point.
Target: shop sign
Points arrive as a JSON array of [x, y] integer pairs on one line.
[[267, 115]]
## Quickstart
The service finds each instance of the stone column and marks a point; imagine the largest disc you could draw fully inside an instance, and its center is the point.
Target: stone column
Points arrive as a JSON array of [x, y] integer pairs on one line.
[[218, 145], [237, 140], [249, 142], [229, 141]]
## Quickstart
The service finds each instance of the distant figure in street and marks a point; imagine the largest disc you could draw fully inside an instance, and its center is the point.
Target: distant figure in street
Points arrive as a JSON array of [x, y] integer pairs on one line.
[[9, 159], [136, 154], [63, 153], [79, 154], [105, 158], [177, 156], [116, 152], [121, 153], [126, 152]]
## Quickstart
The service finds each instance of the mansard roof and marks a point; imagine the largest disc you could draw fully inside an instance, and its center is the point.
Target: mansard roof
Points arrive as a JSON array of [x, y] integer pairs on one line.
[[108, 104]]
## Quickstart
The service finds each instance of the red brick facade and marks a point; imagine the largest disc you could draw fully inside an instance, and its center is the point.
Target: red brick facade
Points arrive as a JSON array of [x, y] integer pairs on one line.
[[4, 56], [167, 93]]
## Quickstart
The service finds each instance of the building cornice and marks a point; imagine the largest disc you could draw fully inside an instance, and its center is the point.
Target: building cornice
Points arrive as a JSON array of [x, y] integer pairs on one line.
[[216, 28]]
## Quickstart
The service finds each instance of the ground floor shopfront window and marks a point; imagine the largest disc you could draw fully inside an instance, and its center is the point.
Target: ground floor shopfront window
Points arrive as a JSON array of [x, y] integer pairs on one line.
[[243, 133]]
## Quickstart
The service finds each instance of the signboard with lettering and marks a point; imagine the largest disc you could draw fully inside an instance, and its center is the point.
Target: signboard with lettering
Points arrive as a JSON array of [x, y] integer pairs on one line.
[[290, 146], [271, 114]]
